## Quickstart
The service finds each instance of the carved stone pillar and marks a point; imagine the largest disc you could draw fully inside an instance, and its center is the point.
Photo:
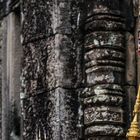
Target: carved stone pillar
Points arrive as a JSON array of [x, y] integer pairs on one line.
[[51, 69], [104, 96]]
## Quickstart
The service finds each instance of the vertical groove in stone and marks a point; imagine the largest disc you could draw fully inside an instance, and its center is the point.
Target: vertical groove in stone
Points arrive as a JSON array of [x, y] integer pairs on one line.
[[136, 6], [1, 32], [12, 53], [104, 95], [131, 77]]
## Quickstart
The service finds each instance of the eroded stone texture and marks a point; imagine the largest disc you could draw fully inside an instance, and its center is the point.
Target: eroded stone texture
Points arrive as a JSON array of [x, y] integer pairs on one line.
[[37, 16], [34, 111], [52, 71], [130, 78], [106, 138], [104, 56], [34, 67], [136, 7], [50, 115], [130, 60], [62, 114], [62, 63]]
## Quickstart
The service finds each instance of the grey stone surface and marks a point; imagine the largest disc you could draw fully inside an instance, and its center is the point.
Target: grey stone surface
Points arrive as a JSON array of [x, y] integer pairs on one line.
[[62, 62], [11, 56], [53, 115], [104, 95], [52, 48], [34, 67], [36, 17], [130, 60], [55, 65], [131, 93]]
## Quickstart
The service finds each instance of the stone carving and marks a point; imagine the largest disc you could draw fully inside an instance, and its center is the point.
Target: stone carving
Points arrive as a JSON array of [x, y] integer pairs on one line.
[[104, 96], [74, 82]]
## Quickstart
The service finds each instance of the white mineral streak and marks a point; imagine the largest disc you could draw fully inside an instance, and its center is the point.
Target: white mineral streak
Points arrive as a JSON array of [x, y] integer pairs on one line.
[[78, 19]]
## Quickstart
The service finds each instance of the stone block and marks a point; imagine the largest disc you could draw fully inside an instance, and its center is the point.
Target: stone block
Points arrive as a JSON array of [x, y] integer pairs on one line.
[[63, 64], [36, 16], [51, 63], [51, 115], [49, 17], [34, 113], [34, 67]]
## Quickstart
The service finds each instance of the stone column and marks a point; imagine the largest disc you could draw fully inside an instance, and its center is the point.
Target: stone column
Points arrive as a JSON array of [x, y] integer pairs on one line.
[[104, 95], [51, 72]]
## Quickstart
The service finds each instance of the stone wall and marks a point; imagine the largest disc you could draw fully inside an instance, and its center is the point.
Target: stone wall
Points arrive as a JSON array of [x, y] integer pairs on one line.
[[79, 69], [51, 72]]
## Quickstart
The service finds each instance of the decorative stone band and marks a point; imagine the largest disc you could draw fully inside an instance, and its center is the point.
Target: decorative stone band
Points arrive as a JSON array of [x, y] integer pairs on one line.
[[98, 25], [103, 114], [104, 7], [103, 130], [107, 99], [105, 39], [111, 89], [109, 94]]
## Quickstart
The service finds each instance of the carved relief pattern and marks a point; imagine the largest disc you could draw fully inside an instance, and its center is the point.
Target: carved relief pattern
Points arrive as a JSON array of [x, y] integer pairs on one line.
[[51, 72], [61, 39], [104, 56]]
